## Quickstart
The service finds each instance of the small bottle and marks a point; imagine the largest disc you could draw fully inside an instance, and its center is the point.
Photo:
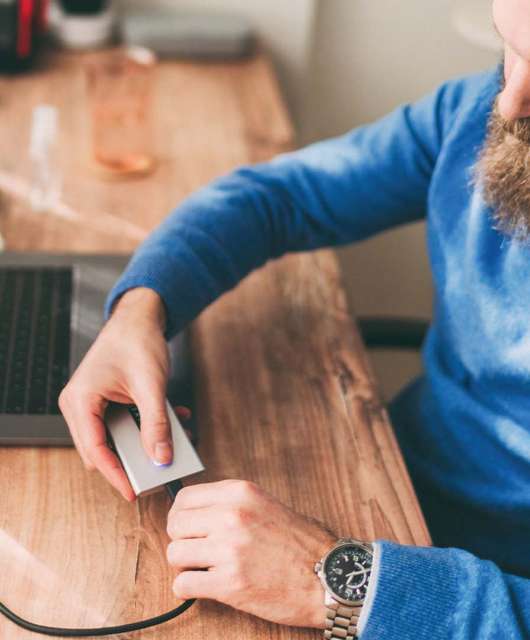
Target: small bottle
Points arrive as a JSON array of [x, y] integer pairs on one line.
[[43, 152]]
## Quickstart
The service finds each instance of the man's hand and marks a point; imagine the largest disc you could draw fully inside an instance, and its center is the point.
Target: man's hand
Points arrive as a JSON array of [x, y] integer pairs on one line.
[[258, 554], [128, 363]]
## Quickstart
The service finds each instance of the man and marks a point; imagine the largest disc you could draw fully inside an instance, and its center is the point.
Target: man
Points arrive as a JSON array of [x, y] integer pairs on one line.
[[459, 157]]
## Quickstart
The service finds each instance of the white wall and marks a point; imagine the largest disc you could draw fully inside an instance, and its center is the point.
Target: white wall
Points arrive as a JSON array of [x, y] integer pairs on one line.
[[370, 56]]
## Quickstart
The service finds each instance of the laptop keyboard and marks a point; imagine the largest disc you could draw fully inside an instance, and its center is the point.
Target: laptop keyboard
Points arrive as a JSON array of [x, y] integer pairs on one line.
[[35, 306]]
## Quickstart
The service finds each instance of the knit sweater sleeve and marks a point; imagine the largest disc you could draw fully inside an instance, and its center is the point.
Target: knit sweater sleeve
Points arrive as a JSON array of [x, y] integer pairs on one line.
[[330, 193], [427, 593]]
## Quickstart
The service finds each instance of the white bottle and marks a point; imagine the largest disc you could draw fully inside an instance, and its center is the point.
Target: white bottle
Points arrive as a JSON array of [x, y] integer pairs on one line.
[[43, 152]]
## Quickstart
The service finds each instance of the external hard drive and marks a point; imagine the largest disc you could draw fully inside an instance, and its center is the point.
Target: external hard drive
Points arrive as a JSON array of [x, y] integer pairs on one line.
[[145, 476]]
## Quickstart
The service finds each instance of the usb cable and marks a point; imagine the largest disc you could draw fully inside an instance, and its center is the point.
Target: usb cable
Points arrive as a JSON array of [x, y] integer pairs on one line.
[[172, 488]]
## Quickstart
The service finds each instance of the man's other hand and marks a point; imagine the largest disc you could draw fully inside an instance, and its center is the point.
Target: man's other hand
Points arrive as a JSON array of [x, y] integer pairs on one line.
[[127, 363], [234, 543]]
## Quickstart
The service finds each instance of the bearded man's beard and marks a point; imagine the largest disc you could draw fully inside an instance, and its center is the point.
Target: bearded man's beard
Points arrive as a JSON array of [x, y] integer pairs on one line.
[[503, 171]]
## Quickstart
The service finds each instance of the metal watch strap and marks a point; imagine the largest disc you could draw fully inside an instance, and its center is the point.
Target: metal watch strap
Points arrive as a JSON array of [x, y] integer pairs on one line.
[[341, 618], [341, 621]]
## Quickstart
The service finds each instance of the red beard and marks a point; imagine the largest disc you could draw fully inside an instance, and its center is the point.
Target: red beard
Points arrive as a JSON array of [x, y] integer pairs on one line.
[[503, 171]]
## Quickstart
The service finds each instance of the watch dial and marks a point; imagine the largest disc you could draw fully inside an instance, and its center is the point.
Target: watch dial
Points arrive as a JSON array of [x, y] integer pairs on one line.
[[347, 570]]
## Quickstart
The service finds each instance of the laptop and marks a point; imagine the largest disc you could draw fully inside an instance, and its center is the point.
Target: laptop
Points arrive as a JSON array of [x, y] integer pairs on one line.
[[51, 310]]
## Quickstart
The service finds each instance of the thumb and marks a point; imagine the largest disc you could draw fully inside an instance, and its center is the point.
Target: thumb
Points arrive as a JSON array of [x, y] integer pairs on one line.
[[154, 424]]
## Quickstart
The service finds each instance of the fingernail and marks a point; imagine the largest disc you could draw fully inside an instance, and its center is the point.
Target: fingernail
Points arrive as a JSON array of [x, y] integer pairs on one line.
[[163, 454]]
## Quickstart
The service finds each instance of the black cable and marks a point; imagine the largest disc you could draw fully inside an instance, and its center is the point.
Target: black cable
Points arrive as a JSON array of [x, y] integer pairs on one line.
[[172, 488], [58, 632]]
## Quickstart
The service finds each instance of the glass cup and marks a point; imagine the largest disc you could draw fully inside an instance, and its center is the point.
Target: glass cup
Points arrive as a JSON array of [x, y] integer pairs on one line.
[[120, 88]]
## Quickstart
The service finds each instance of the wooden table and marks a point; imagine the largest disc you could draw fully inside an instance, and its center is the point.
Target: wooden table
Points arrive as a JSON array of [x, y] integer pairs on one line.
[[285, 392]]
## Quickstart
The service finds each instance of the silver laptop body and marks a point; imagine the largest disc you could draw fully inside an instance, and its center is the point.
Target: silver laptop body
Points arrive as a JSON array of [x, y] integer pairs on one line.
[[92, 278]]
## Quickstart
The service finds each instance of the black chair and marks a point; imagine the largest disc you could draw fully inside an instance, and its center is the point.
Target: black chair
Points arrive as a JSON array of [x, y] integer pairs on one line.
[[392, 333]]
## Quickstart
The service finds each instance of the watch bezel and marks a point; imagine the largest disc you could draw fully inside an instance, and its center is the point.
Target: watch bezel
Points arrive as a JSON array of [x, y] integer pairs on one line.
[[350, 542]]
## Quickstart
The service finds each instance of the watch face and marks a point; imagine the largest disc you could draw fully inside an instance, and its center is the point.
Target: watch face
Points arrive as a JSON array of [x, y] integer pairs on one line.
[[347, 570]]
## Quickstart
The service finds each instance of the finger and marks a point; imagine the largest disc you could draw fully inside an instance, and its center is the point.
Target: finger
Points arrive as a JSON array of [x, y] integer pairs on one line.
[[198, 496], [208, 494], [75, 436], [195, 523], [109, 465], [191, 553], [94, 438], [198, 584], [182, 412], [154, 423], [81, 450]]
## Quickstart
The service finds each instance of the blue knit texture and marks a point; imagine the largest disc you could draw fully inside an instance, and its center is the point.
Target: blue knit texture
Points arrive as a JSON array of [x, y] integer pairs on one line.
[[426, 593]]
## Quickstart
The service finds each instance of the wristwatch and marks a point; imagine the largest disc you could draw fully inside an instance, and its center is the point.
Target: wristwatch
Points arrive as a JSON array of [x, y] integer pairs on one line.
[[345, 573]]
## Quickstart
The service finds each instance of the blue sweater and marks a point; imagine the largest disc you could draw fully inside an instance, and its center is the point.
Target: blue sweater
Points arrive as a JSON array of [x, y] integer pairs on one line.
[[464, 427]]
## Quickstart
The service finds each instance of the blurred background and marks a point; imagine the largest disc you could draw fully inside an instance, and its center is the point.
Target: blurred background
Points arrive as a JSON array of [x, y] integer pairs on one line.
[[342, 63]]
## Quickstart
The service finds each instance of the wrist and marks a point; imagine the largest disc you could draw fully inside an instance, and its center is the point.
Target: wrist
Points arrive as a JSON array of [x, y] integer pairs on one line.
[[316, 618], [345, 573], [141, 303], [317, 615]]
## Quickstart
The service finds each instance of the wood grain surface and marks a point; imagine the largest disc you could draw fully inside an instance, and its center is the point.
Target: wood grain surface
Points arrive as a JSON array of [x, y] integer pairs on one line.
[[285, 393]]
